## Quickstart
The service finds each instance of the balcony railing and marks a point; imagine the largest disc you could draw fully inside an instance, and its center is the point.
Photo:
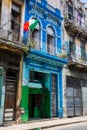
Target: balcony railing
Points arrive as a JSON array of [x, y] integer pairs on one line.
[[37, 45], [34, 44], [76, 21], [77, 59], [51, 49], [11, 35]]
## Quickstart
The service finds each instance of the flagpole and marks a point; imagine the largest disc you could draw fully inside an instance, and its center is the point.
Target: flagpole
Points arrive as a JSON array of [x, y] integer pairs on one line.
[[31, 31]]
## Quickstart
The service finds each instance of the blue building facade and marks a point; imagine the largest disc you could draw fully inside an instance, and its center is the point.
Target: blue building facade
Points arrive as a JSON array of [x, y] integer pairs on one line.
[[42, 68]]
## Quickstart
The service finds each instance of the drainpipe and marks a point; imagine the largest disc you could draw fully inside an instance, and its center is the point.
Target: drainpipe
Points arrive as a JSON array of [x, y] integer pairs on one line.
[[19, 90]]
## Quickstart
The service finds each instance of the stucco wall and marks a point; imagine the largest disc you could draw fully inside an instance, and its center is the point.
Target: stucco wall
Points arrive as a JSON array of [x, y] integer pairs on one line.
[[53, 3], [68, 72], [6, 15]]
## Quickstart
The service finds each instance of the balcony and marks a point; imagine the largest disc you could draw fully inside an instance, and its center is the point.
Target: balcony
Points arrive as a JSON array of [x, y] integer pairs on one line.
[[11, 40], [76, 25], [77, 61], [35, 44]]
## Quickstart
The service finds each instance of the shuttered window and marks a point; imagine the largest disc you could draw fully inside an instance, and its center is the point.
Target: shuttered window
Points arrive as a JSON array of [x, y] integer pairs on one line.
[[73, 96]]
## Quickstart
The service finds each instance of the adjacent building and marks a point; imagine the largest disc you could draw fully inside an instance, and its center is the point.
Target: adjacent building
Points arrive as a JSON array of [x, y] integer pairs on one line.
[[42, 66], [75, 73], [11, 52], [74, 41]]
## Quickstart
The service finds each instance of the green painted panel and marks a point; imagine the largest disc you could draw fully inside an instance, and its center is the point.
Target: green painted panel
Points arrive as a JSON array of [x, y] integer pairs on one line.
[[42, 111], [35, 90], [24, 103], [2, 96], [37, 112], [47, 104]]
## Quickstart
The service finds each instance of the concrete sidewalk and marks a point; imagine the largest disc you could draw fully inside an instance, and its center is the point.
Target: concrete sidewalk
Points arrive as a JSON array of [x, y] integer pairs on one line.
[[44, 123]]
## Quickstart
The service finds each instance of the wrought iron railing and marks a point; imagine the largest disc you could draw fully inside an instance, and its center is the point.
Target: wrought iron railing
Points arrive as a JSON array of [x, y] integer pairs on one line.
[[38, 45], [51, 49], [77, 21], [11, 35], [75, 57]]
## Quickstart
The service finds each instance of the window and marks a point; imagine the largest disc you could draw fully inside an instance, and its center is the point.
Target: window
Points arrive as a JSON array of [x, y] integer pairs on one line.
[[35, 76], [15, 22], [80, 18], [50, 41], [35, 37], [82, 50], [70, 11], [71, 44]]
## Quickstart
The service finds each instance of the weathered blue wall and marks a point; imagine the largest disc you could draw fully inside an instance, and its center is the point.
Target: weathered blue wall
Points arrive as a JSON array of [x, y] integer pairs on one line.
[[45, 21], [47, 16]]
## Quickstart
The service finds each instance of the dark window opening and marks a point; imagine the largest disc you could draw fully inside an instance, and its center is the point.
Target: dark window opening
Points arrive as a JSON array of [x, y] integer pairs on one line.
[[35, 38], [80, 17], [15, 22], [70, 8], [50, 44], [11, 76], [82, 50], [70, 11], [36, 76], [71, 44], [80, 14]]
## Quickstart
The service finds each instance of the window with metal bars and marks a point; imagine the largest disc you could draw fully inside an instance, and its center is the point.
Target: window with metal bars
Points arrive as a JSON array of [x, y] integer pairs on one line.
[[70, 11], [15, 21], [54, 94], [50, 40], [73, 82]]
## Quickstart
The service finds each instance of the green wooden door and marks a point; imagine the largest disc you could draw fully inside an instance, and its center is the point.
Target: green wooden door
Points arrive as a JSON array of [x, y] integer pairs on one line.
[[2, 96]]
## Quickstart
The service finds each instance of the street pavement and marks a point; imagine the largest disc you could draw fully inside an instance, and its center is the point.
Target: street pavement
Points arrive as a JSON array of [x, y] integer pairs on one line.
[[46, 123], [76, 126]]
